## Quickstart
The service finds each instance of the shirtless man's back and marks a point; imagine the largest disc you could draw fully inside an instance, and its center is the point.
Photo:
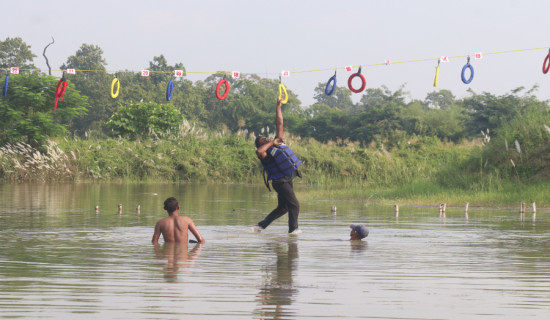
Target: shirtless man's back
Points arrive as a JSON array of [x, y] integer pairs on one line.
[[174, 228]]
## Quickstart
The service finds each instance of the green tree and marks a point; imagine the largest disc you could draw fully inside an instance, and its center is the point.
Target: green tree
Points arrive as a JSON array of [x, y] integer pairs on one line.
[[340, 98], [92, 81], [14, 52], [139, 120], [88, 59], [27, 112], [441, 99], [488, 111]]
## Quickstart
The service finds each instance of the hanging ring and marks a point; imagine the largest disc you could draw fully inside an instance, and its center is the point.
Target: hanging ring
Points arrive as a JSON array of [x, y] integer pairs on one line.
[[222, 82], [467, 66], [546, 64], [5, 91], [436, 75], [114, 93], [282, 89], [363, 81], [332, 79], [169, 90]]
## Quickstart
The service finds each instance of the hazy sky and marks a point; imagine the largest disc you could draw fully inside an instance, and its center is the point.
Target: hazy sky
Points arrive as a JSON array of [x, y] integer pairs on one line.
[[270, 36]]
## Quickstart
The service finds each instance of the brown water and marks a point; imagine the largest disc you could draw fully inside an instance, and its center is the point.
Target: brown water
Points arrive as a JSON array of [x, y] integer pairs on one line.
[[59, 259]]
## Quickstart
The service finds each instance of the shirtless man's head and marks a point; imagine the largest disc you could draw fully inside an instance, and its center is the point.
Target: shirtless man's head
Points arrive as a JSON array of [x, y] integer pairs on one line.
[[171, 205], [174, 227]]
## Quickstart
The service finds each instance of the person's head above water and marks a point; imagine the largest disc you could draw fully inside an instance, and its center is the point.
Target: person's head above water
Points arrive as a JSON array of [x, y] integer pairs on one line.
[[171, 204], [358, 231]]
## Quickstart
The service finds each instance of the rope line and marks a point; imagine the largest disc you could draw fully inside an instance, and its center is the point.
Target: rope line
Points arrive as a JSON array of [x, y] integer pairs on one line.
[[302, 71]]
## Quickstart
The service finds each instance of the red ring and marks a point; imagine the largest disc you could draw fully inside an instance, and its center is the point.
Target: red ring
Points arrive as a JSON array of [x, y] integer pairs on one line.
[[363, 82], [59, 92], [546, 64], [221, 97]]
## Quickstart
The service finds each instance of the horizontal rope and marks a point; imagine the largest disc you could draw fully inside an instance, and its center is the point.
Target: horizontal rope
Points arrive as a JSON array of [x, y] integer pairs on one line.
[[294, 72]]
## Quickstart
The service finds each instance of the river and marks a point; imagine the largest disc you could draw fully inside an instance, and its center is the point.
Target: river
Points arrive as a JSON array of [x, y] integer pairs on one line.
[[62, 259]]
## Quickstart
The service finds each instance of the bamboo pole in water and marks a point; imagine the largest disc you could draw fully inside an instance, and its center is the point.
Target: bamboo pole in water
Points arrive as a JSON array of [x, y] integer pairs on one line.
[[522, 211]]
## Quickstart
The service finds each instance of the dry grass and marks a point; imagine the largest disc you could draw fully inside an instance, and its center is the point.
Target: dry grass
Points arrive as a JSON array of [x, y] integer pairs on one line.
[[20, 162]]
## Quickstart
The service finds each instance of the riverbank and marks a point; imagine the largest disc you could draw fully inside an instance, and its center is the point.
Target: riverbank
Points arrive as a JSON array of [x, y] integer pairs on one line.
[[423, 171]]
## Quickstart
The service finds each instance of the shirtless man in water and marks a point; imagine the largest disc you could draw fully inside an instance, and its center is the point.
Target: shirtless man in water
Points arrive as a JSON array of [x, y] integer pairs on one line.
[[174, 228]]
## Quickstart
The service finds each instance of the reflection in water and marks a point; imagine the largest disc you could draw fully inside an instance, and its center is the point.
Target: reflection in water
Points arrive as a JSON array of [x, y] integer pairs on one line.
[[176, 258], [276, 295], [358, 247]]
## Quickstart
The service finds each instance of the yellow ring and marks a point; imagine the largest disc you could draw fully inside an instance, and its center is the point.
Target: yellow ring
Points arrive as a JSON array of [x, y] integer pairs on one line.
[[115, 94], [282, 89], [436, 76]]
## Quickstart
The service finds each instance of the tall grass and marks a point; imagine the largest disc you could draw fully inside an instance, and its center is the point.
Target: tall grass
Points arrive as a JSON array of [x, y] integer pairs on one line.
[[420, 169], [21, 162]]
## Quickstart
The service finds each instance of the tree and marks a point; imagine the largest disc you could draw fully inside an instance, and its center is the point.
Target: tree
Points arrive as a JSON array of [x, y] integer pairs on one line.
[[92, 81], [441, 99], [14, 52], [340, 98], [27, 112], [488, 111], [161, 72], [143, 119]]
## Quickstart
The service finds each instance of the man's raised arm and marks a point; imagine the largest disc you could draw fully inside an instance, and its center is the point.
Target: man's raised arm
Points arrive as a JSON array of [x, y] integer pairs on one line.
[[279, 120]]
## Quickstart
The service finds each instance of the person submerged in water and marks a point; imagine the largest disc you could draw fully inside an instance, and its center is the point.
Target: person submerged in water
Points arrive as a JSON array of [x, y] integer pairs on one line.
[[174, 227], [358, 232]]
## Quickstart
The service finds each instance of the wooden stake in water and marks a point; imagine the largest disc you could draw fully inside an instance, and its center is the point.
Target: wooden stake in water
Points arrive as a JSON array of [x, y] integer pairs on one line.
[[466, 210], [522, 211], [397, 211]]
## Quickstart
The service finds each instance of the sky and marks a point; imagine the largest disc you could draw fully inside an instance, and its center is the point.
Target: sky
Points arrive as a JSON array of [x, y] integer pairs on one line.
[[267, 37]]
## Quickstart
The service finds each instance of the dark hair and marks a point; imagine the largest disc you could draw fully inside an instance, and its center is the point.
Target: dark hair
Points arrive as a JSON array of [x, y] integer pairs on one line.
[[258, 141], [171, 204]]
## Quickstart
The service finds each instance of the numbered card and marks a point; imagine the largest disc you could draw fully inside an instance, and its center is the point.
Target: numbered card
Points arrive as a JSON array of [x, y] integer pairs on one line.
[[71, 71], [14, 70], [178, 73], [144, 73], [478, 56], [235, 74], [348, 68], [387, 62], [444, 59], [285, 73]]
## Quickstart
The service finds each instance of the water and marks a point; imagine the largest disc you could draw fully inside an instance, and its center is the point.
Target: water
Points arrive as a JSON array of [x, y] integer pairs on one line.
[[59, 259]]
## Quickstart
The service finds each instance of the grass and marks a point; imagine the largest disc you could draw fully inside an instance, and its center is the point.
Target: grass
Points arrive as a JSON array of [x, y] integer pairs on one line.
[[420, 170]]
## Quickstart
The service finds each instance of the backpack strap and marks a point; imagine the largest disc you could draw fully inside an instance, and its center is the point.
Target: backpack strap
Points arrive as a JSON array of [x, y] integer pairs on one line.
[[265, 180]]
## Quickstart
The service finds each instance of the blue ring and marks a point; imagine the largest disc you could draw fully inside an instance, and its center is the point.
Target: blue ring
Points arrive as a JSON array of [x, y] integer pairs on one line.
[[169, 90], [327, 92], [467, 66], [5, 93]]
